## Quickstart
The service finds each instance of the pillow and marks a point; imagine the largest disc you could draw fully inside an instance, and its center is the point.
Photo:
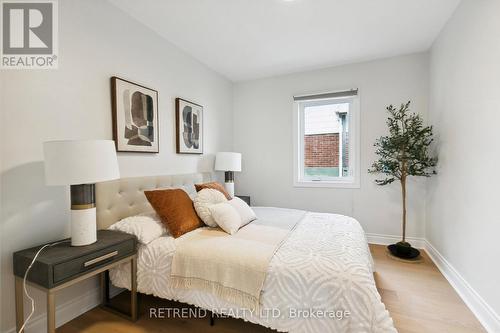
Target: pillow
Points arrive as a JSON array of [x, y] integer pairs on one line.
[[246, 213], [232, 215], [215, 186], [206, 198], [175, 209], [146, 227], [226, 217]]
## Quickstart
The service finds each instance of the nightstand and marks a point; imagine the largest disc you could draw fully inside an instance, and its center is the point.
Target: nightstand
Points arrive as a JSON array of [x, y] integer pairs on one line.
[[63, 265], [245, 198]]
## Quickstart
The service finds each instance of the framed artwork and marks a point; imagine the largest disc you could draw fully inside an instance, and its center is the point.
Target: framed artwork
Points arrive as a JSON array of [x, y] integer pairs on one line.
[[189, 127], [135, 117]]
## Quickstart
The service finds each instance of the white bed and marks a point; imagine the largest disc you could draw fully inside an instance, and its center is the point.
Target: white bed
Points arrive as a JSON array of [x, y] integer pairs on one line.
[[319, 280]]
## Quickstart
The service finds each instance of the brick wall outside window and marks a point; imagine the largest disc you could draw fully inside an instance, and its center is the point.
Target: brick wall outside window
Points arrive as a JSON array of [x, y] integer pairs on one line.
[[321, 150]]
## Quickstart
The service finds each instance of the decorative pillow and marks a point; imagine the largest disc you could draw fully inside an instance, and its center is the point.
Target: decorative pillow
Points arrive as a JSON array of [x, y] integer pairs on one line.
[[246, 213], [175, 209], [232, 215], [215, 186], [206, 198], [226, 217], [146, 227]]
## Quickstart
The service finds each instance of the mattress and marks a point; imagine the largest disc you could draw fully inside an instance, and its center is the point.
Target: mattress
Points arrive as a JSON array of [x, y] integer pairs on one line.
[[319, 280]]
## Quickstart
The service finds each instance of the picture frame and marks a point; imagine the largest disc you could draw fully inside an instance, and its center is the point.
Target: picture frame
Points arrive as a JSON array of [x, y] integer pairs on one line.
[[135, 117], [188, 127]]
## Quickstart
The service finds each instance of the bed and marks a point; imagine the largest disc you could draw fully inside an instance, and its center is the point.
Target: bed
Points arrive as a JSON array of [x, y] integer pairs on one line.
[[319, 280]]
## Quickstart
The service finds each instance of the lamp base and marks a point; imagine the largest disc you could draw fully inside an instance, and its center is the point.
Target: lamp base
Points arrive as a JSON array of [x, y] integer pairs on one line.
[[229, 182], [83, 215], [229, 188], [83, 227]]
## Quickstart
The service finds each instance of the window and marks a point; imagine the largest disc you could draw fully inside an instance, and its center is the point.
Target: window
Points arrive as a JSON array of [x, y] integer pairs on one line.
[[326, 140]]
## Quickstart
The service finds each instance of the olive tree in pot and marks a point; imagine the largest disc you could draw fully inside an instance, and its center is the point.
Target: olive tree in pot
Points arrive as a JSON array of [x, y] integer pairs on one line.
[[401, 154]]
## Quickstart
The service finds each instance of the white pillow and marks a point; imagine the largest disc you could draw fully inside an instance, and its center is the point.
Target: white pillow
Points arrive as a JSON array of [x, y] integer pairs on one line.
[[226, 216], [246, 213], [232, 215], [203, 200], [146, 227]]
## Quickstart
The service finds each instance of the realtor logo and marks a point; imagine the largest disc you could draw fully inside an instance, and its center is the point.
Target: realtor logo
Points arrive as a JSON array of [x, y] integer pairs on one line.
[[29, 35]]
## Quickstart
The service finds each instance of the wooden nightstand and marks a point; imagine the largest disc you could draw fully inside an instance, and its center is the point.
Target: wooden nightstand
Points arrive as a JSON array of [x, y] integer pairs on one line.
[[245, 198], [63, 265]]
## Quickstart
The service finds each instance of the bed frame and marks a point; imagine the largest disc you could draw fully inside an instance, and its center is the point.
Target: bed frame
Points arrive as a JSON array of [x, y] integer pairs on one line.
[[125, 197]]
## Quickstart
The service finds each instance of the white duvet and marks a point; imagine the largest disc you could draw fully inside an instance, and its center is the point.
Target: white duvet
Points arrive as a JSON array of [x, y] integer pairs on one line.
[[319, 280]]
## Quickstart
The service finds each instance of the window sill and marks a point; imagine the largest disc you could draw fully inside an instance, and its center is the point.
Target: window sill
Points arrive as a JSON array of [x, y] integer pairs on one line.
[[326, 184]]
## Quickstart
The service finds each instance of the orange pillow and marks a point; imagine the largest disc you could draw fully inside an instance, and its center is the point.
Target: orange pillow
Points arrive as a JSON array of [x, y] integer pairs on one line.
[[213, 186], [175, 209]]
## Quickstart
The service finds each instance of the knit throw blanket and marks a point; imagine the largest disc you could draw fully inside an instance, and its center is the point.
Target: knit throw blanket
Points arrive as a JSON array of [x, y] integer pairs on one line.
[[233, 267]]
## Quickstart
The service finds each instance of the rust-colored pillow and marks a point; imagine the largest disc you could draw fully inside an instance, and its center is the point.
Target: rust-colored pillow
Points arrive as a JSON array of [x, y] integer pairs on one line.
[[214, 186], [175, 209]]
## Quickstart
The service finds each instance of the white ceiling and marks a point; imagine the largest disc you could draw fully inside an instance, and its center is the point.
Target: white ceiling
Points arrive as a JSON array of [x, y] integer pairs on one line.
[[246, 39]]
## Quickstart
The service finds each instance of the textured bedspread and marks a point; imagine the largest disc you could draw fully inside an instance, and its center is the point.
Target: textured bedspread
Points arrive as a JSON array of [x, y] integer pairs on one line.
[[319, 280]]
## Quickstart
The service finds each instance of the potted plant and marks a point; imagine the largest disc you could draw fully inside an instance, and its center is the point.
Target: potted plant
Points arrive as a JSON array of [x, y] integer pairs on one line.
[[404, 153]]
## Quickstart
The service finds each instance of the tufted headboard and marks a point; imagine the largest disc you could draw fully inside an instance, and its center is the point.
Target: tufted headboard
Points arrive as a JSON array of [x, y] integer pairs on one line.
[[125, 197]]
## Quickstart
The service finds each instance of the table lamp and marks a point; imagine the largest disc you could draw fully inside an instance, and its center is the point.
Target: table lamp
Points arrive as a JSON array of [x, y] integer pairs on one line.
[[228, 162], [81, 164]]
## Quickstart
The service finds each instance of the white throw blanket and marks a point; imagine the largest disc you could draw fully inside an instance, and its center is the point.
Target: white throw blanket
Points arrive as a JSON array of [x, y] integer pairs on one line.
[[232, 267]]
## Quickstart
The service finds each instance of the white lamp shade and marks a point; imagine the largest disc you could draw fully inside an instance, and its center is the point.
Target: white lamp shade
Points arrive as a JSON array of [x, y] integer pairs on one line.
[[227, 161], [80, 162]]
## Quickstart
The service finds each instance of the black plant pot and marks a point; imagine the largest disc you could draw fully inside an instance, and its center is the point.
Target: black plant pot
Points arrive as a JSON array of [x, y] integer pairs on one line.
[[403, 250]]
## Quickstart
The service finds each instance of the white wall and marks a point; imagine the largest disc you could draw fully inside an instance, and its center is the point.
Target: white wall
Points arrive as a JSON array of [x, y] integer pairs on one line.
[[263, 112], [96, 40], [463, 222]]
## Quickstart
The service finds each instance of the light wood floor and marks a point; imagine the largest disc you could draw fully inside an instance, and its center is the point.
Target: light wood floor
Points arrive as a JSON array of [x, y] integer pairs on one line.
[[417, 296]]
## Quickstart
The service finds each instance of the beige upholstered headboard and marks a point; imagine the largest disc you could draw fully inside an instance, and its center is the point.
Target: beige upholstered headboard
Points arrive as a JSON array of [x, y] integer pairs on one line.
[[125, 197]]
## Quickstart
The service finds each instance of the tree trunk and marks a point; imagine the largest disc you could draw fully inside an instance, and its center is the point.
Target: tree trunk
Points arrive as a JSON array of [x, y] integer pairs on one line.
[[403, 193]]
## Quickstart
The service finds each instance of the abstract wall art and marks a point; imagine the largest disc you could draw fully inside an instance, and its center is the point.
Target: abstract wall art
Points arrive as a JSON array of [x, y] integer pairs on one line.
[[135, 117], [189, 127]]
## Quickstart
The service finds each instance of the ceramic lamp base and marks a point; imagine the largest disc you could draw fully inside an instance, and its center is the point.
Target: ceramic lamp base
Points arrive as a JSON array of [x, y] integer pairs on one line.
[[83, 227], [230, 188]]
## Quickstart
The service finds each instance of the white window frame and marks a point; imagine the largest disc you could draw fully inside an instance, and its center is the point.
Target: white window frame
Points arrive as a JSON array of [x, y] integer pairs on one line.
[[351, 181]]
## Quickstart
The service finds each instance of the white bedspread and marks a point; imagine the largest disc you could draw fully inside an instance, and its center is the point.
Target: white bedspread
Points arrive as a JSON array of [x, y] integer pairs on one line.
[[319, 280]]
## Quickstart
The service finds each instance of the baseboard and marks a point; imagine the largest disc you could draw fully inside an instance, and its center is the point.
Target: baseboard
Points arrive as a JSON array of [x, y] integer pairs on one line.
[[380, 239], [483, 312]]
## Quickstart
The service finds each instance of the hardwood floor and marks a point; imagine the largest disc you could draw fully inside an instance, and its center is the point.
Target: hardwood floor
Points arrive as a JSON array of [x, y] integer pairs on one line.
[[417, 296]]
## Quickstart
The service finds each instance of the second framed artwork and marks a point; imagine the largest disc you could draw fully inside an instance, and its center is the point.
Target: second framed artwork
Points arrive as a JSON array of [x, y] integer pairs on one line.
[[188, 127]]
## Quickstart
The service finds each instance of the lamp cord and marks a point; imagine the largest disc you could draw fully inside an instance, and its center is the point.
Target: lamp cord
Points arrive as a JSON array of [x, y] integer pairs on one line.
[[24, 283]]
